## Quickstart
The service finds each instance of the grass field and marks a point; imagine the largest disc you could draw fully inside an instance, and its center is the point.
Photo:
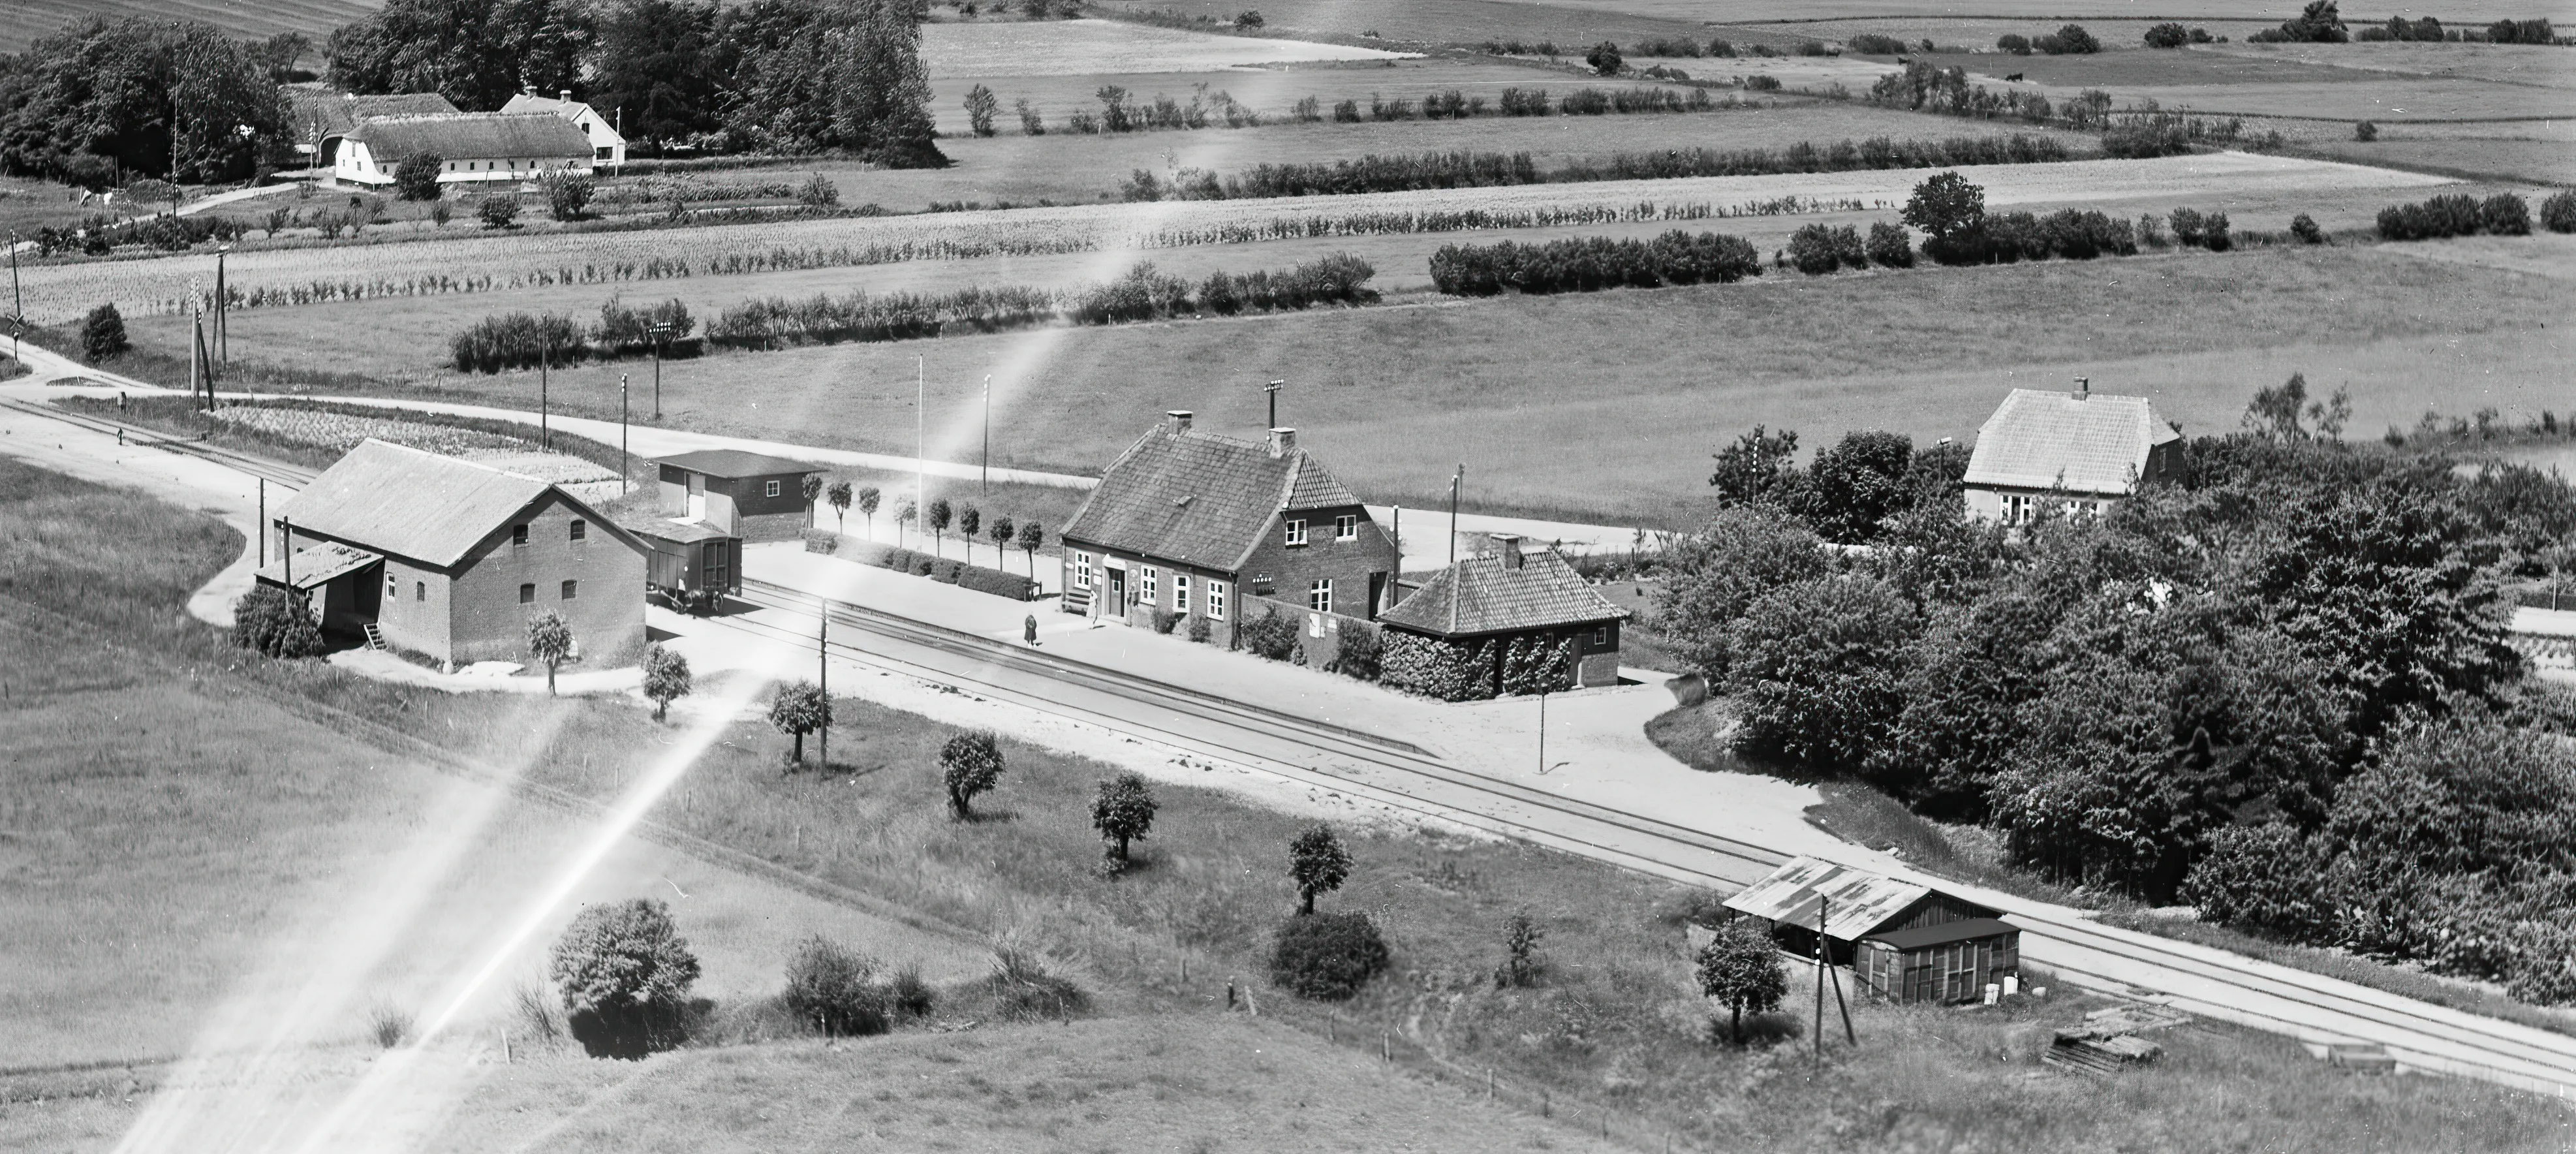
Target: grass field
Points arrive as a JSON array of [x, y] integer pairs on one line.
[[1434, 22], [29, 19], [1271, 92], [1083, 47], [1614, 412]]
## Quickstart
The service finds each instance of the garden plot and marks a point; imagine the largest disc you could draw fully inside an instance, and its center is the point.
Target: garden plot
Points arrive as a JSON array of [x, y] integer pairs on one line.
[[1081, 47], [341, 432]]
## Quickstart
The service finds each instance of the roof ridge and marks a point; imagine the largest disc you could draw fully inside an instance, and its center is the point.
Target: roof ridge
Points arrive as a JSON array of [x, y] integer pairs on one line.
[[458, 460]]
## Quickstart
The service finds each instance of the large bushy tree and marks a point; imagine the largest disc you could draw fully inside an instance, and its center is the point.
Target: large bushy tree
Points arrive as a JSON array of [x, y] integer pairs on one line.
[[658, 68], [476, 53], [624, 972], [160, 98]]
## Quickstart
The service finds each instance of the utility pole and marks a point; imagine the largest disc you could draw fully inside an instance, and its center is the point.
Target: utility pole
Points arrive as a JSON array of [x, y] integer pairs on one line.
[[1542, 731], [17, 301], [823, 674], [988, 435], [1273, 389], [661, 338], [263, 522], [920, 436], [223, 311], [1820, 978], [622, 464], [545, 362]]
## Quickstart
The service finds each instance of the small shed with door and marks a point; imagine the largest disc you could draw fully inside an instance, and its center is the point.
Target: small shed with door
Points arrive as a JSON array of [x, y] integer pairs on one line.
[[1903, 939], [753, 496]]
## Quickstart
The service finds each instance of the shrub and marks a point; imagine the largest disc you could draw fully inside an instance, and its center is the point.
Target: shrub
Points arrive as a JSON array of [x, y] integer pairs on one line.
[[1251, 18], [1762, 82], [567, 192], [623, 328], [1811, 250], [2521, 32], [818, 191], [996, 582], [1604, 58], [1521, 963], [2365, 131], [1123, 811], [1890, 245], [103, 334], [2013, 42], [835, 989], [2305, 228], [416, 178], [1200, 630], [1874, 44], [2168, 35], [1357, 653], [970, 764], [1023, 991], [2186, 226], [498, 210], [981, 104], [625, 973], [2558, 213], [2263, 878], [1269, 635], [2505, 214], [1327, 957], [2071, 40], [268, 620]]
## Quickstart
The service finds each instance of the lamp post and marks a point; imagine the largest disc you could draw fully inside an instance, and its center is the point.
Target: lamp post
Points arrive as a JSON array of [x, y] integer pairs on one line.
[[621, 435], [223, 310], [661, 339]]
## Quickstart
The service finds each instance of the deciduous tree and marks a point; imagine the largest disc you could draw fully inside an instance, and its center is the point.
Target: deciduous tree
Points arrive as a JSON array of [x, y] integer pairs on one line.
[[550, 641], [666, 679], [1740, 970], [624, 972], [970, 764], [1318, 864], [1123, 812], [800, 708]]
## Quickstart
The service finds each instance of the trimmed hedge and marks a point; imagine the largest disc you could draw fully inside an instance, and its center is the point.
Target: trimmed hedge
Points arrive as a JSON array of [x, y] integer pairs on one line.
[[2503, 214], [1465, 169], [1585, 264]]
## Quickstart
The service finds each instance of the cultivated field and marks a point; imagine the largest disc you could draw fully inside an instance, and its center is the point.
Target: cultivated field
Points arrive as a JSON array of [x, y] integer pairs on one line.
[[1085, 47], [1271, 92], [61, 292], [1613, 411], [1435, 22], [29, 19]]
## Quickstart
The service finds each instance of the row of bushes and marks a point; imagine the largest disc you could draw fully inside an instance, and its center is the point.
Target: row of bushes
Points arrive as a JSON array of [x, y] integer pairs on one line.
[[945, 570], [2453, 214], [1142, 293], [525, 340], [1463, 169], [2070, 40], [2429, 29], [166, 232], [1588, 264]]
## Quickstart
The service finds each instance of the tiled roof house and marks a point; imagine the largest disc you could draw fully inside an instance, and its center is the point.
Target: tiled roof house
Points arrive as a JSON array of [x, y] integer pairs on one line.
[[607, 145], [1190, 523], [1514, 595], [449, 558], [2075, 445]]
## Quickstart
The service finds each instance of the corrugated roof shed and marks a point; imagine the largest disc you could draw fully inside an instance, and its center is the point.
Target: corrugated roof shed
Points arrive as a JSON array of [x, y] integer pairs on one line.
[[473, 135], [1857, 901], [733, 464], [418, 505], [1200, 499], [1492, 597], [1943, 933], [2040, 438]]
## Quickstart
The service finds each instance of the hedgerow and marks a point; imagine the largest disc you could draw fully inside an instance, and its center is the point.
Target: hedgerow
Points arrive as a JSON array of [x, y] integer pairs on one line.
[[2503, 214], [1585, 264]]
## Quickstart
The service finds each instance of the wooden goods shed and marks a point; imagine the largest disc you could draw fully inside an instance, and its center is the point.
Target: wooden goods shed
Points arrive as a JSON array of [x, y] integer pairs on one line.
[[1904, 939]]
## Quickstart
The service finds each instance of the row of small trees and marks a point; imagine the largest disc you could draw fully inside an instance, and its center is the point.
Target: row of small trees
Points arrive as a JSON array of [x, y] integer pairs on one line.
[[526, 340], [2504, 214]]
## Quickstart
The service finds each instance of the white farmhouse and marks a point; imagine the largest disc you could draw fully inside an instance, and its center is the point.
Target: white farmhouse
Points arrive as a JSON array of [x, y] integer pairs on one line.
[[607, 145], [473, 147], [2085, 449]]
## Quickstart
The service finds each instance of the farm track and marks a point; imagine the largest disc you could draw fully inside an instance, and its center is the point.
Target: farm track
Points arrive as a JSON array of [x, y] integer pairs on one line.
[[2197, 979]]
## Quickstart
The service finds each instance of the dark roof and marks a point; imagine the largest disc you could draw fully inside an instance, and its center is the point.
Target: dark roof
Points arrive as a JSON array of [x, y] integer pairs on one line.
[[2040, 438], [1200, 499], [1943, 933], [475, 135], [1857, 901], [735, 463], [325, 112], [419, 505], [1490, 597]]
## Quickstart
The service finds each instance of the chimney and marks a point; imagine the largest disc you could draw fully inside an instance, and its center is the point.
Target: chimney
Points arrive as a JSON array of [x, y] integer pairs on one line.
[[1180, 420], [567, 96], [1508, 546], [529, 88], [1282, 441], [2083, 388]]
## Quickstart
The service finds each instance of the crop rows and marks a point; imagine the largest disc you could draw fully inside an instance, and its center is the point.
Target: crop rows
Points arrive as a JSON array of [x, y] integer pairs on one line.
[[343, 431]]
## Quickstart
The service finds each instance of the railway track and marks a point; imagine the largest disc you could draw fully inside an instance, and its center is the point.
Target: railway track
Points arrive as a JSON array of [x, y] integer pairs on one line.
[[1404, 777], [2250, 993]]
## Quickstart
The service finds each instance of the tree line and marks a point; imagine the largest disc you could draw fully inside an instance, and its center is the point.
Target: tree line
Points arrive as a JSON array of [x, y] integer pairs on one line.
[[2277, 683]]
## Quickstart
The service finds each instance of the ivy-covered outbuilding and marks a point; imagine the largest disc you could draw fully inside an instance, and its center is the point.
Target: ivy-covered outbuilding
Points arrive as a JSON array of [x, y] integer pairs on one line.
[[1504, 623]]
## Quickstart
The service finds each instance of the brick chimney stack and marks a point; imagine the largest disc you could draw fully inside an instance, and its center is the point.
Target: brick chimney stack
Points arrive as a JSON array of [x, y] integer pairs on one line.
[[1508, 546], [1282, 442], [567, 95], [2083, 389], [1180, 420]]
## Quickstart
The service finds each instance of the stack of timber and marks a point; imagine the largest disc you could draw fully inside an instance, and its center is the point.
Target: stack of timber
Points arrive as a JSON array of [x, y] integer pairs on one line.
[[2108, 1041]]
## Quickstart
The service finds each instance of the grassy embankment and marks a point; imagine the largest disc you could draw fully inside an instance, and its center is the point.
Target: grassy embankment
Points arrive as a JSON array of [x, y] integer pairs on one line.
[[1610, 1031], [1612, 412]]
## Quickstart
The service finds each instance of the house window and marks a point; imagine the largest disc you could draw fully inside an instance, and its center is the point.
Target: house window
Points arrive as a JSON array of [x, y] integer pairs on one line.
[[528, 593], [580, 529], [1150, 574], [393, 588], [1319, 596], [1601, 637], [1180, 592], [772, 489], [1082, 570], [2016, 509], [1297, 531], [1315, 625], [420, 590], [1216, 600], [571, 589], [518, 534], [1346, 527]]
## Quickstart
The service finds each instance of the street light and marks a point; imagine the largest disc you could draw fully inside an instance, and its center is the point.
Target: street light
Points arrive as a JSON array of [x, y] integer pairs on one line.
[[661, 339]]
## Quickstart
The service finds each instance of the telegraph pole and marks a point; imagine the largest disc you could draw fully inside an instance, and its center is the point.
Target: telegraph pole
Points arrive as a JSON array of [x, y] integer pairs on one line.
[[988, 433], [622, 464], [223, 311], [661, 338], [17, 301], [823, 674], [1455, 480], [545, 362]]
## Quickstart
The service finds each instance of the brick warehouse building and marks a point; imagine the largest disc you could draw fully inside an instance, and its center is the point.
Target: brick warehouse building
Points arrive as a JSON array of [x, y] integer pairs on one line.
[[449, 558], [1190, 523]]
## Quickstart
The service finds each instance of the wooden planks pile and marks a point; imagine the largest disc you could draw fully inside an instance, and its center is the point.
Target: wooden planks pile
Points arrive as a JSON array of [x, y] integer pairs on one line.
[[2108, 1041]]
